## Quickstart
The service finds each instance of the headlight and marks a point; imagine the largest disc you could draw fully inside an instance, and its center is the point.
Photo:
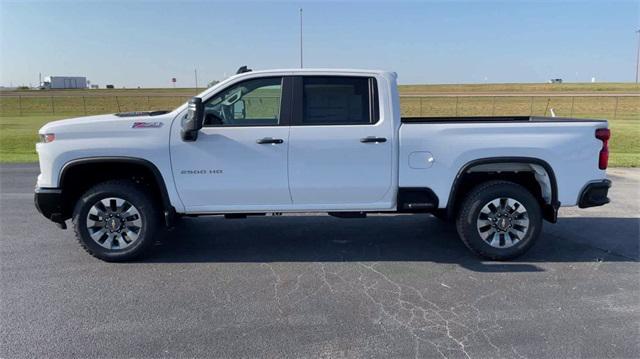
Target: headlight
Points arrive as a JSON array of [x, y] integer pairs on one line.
[[47, 137]]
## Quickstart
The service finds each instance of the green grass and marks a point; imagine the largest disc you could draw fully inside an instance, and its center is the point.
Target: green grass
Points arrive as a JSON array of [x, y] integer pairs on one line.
[[610, 108], [625, 143], [88, 105], [21, 118], [18, 135]]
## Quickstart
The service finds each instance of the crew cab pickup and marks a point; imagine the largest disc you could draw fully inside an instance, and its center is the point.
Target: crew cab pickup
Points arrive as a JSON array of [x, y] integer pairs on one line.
[[279, 141]]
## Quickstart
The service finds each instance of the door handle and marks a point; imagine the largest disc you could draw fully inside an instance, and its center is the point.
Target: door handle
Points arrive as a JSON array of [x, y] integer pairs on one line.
[[269, 140], [373, 139]]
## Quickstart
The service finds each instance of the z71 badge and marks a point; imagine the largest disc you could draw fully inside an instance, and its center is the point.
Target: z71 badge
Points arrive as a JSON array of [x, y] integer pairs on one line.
[[147, 125]]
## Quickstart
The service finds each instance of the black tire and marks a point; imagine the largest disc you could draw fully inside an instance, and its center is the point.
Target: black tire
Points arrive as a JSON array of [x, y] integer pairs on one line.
[[473, 203], [134, 194]]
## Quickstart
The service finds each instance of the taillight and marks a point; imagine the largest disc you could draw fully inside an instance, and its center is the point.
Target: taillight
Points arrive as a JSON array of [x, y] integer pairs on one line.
[[47, 137], [603, 134]]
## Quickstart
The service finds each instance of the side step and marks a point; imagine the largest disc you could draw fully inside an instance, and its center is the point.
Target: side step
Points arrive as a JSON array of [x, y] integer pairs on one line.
[[417, 206], [241, 215], [348, 214], [416, 199]]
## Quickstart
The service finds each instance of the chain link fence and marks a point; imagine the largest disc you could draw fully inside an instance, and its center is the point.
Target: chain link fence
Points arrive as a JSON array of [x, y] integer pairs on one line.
[[612, 107], [607, 107], [85, 105]]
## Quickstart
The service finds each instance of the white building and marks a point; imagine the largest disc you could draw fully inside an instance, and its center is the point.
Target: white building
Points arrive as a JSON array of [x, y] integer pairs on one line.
[[64, 82]]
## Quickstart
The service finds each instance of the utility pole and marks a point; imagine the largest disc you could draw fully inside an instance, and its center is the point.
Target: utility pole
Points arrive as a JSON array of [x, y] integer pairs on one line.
[[195, 72], [301, 38], [638, 56]]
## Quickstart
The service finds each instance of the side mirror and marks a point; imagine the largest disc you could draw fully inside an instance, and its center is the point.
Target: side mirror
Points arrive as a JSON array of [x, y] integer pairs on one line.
[[194, 120]]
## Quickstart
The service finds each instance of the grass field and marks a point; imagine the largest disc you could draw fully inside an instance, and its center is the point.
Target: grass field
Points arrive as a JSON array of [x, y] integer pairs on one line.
[[608, 87], [21, 117]]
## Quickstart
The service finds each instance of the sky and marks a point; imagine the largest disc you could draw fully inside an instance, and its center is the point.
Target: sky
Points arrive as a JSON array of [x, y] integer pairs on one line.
[[146, 43]]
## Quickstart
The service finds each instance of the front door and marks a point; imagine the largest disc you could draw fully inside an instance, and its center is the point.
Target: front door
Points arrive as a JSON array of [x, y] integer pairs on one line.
[[340, 147], [239, 161]]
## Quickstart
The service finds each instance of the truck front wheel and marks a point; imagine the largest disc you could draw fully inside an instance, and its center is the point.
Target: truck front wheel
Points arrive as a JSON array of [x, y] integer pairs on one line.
[[116, 220], [499, 220]]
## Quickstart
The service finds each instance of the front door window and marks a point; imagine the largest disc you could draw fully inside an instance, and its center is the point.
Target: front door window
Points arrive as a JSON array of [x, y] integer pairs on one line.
[[249, 103]]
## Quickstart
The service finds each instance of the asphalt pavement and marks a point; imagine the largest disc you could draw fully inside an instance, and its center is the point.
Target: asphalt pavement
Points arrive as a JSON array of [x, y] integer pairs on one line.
[[318, 286]]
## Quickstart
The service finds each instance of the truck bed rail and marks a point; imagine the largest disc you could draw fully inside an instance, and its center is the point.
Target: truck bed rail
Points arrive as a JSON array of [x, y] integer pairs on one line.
[[448, 119]]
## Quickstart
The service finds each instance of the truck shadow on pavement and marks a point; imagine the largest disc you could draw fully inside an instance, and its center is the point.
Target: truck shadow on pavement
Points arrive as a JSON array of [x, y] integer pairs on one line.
[[411, 238]]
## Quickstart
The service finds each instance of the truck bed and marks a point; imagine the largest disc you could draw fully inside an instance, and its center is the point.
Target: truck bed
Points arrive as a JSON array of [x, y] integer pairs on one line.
[[434, 149], [439, 119]]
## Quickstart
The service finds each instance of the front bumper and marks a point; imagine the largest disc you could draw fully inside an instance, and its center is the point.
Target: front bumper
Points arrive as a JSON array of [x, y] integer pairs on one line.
[[595, 194], [48, 201]]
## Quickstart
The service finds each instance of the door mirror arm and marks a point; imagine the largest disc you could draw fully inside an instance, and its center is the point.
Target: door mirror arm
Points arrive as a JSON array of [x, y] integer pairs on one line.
[[194, 120]]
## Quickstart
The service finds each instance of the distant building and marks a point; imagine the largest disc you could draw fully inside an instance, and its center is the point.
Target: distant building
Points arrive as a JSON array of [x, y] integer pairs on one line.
[[555, 81], [64, 82]]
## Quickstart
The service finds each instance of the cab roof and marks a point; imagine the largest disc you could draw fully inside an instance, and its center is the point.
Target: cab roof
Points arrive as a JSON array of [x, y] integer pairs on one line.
[[327, 71]]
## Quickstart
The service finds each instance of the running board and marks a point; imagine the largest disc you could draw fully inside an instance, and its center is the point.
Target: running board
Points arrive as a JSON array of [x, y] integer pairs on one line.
[[348, 214], [417, 206], [241, 215]]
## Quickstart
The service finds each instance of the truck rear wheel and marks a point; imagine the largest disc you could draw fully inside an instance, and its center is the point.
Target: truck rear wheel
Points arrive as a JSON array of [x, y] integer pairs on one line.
[[116, 221], [499, 220]]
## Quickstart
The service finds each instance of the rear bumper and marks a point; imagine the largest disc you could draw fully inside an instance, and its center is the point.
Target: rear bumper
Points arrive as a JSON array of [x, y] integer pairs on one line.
[[48, 201], [595, 194]]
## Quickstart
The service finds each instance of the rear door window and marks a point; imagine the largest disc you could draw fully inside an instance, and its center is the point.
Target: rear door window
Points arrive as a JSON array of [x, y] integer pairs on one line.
[[338, 100]]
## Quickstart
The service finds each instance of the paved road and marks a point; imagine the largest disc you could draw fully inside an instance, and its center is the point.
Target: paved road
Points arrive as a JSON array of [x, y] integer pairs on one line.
[[311, 286]]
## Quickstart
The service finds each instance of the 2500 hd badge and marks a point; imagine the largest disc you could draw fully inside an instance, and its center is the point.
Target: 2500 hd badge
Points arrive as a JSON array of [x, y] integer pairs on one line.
[[201, 172]]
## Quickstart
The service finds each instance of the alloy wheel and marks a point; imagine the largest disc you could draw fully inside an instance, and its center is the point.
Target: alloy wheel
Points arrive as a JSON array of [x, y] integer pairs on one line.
[[114, 223], [503, 222]]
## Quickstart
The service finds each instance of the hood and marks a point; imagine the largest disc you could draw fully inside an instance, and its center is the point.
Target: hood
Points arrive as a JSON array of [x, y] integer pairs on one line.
[[111, 122]]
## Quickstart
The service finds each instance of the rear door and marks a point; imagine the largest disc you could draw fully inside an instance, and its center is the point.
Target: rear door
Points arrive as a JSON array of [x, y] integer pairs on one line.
[[340, 147]]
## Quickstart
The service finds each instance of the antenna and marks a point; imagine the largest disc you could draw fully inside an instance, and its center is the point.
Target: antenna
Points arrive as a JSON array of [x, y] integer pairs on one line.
[[243, 69]]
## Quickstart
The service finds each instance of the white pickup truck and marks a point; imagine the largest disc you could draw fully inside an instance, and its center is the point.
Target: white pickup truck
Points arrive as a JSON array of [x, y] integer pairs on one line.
[[268, 142]]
